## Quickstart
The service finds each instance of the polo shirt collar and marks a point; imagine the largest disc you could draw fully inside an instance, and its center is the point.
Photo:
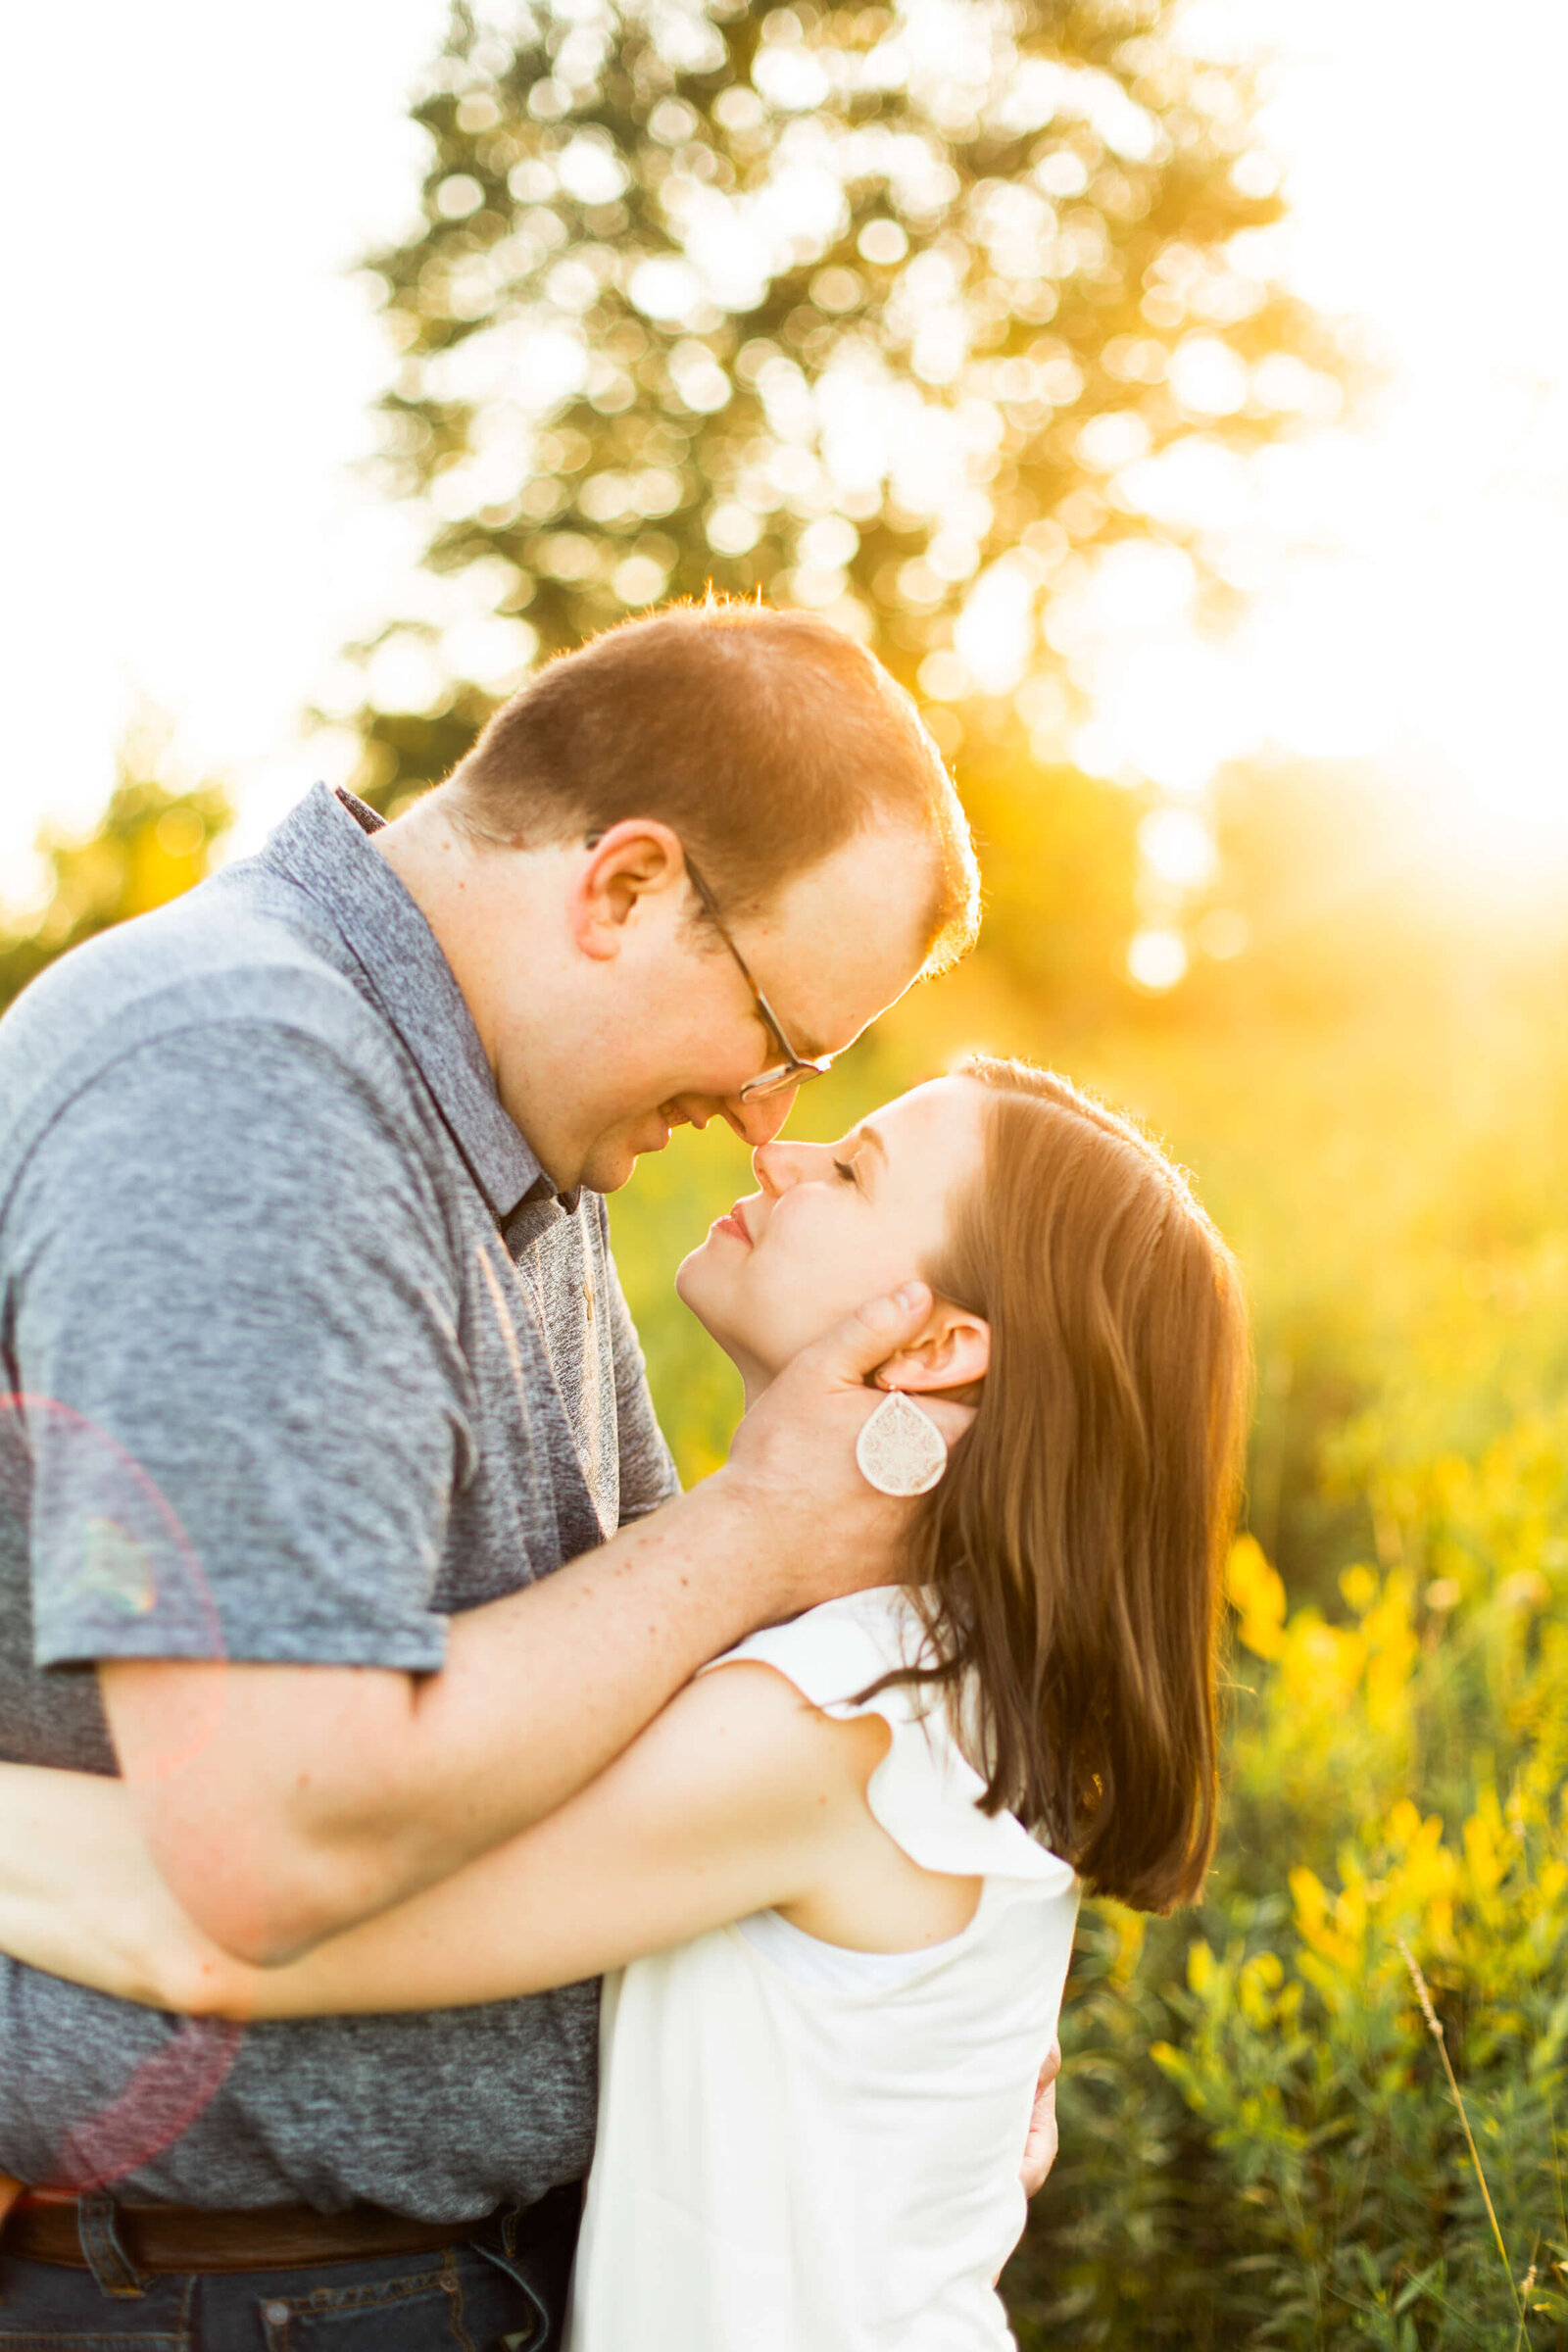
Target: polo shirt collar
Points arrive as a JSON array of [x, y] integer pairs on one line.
[[324, 845]]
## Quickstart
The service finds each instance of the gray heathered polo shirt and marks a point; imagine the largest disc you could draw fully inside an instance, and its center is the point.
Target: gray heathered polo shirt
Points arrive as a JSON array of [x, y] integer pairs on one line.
[[304, 1354]]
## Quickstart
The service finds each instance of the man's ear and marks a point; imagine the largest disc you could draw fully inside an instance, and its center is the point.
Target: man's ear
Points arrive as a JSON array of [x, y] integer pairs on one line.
[[627, 867], [953, 1351]]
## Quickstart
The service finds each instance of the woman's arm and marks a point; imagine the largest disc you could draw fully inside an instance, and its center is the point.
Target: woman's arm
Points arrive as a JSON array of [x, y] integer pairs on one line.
[[739, 1796]]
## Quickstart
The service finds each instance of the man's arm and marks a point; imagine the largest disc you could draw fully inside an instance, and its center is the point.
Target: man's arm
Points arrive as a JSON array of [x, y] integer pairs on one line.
[[284, 1803], [737, 1796]]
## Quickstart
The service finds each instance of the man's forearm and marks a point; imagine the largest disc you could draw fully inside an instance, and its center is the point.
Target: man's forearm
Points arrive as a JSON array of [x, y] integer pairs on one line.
[[543, 1689], [276, 1834], [283, 1803]]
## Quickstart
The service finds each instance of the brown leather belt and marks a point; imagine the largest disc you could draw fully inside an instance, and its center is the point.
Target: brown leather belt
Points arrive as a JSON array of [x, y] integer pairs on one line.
[[184, 2238]]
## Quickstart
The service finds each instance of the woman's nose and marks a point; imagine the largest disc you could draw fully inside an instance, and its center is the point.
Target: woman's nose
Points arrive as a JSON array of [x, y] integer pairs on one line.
[[776, 1166], [767, 1166]]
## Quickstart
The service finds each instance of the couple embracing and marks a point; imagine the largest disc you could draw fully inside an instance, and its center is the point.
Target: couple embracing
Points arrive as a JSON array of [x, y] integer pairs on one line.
[[413, 1804]]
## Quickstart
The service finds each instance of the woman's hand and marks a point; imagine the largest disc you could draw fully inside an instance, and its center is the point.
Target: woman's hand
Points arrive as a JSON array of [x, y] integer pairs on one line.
[[1040, 2148], [79, 1896]]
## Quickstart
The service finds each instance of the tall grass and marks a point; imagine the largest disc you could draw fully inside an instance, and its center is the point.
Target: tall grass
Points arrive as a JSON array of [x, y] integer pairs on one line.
[[1261, 2146]]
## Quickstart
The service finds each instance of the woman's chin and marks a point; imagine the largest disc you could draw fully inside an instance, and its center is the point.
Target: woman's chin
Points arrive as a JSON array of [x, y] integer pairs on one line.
[[701, 1288], [689, 1283], [697, 1289]]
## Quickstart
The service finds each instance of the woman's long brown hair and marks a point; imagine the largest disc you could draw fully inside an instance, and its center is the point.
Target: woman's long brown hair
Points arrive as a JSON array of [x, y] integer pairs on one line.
[[1073, 1554]]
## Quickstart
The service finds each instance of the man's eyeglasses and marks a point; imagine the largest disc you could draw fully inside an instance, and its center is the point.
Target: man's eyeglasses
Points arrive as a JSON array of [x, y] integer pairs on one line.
[[795, 1068]]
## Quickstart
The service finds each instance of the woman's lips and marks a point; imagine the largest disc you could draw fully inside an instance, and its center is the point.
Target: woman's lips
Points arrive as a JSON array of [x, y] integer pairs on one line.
[[734, 1225]]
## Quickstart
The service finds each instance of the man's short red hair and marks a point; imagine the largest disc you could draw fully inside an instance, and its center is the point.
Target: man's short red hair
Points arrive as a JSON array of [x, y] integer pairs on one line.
[[765, 739]]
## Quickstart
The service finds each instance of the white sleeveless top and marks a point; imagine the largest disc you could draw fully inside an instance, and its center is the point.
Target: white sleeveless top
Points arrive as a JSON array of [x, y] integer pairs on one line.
[[806, 2149]]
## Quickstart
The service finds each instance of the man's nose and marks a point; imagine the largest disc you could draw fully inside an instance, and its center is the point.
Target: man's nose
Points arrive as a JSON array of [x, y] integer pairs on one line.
[[754, 1122], [758, 1124]]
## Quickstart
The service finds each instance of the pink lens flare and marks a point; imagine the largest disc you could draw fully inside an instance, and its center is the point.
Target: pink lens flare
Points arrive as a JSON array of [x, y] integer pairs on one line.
[[159, 2104], [131, 1562]]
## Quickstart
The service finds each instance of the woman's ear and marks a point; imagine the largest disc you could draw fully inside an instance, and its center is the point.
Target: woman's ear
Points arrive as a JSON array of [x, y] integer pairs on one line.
[[953, 1351]]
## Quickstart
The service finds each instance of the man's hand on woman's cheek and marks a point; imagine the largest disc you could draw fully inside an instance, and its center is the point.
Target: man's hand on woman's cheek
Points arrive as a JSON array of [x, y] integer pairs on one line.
[[793, 1459]]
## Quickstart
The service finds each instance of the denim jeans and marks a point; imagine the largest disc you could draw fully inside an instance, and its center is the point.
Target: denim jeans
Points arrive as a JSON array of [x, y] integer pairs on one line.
[[503, 2290]]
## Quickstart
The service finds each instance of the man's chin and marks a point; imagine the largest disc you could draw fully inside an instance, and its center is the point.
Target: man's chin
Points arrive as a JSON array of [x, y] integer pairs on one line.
[[610, 1162]]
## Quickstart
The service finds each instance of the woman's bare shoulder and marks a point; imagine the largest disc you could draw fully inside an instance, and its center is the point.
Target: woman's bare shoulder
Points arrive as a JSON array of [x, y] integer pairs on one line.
[[865, 1892], [755, 1711]]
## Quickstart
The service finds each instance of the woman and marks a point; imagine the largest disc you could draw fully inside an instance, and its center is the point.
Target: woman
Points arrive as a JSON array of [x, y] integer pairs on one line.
[[833, 1886]]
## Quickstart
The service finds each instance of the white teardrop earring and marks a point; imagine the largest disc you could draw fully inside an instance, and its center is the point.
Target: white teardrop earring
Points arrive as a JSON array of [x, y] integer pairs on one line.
[[899, 1448]]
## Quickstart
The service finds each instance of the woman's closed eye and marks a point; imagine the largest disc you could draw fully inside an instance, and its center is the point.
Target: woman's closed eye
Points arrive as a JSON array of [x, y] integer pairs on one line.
[[845, 1169]]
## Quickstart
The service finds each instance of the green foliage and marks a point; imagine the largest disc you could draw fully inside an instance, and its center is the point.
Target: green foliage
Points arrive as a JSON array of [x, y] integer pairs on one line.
[[1268, 2104], [151, 843], [1059, 855], [856, 306], [1259, 2143], [1260, 2147]]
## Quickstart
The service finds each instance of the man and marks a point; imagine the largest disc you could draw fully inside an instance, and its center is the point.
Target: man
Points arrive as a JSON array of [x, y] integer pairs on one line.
[[315, 1343]]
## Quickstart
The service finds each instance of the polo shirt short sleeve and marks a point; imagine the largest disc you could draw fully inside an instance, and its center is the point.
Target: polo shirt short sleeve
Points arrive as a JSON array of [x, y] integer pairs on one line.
[[248, 1407]]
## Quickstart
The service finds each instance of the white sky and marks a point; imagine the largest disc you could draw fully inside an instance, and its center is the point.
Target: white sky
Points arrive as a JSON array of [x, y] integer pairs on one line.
[[1422, 158], [189, 376], [182, 186]]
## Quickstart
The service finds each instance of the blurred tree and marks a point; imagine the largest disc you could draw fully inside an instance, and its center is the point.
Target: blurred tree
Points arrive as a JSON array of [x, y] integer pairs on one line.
[[906, 314], [1060, 855], [151, 843], [1325, 879]]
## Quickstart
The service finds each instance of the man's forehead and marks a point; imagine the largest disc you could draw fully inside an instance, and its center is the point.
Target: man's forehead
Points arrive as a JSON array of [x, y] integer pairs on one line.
[[891, 868], [832, 957]]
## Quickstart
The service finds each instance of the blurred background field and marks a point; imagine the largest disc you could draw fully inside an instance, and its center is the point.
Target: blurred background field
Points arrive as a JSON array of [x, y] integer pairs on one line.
[[978, 328]]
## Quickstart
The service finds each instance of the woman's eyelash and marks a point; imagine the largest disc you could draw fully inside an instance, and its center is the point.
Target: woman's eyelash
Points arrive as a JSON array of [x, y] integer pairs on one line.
[[845, 1169]]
